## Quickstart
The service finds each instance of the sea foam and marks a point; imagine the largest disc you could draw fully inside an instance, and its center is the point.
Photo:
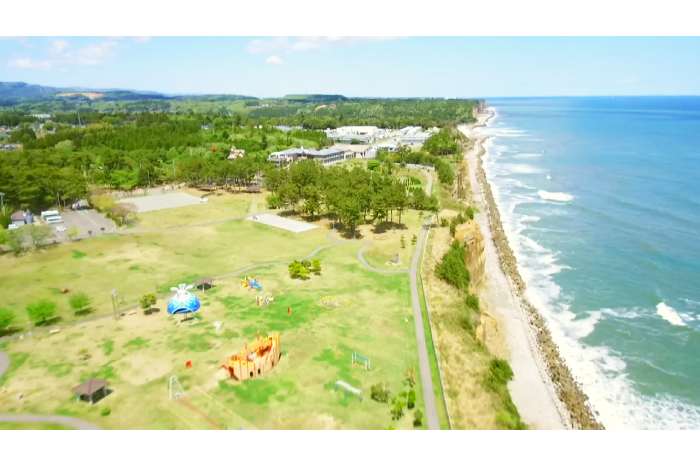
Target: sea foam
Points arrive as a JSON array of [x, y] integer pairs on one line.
[[555, 196], [669, 314]]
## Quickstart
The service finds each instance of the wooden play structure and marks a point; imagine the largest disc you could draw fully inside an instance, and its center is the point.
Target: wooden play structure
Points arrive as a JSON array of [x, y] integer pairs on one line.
[[255, 359]]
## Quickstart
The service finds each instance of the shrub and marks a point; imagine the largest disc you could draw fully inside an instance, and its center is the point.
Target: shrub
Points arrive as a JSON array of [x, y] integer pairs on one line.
[[41, 311], [417, 418], [79, 302], [380, 393], [7, 316], [499, 373], [452, 268], [472, 302], [105, 411], [397, 405], [411, 399]]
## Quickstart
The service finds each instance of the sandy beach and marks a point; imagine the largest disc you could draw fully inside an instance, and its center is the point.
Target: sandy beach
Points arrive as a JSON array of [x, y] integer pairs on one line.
[[543, 389]]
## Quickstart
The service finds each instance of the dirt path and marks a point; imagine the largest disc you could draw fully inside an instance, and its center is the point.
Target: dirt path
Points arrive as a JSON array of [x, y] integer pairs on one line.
[[531, 389]]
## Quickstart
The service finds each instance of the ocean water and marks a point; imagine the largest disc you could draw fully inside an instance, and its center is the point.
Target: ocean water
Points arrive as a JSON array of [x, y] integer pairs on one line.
[[600, 198]]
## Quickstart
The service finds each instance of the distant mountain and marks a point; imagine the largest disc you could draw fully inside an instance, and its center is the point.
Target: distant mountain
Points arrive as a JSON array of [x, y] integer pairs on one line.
[[12, 93], [20, 91], [316, 98]]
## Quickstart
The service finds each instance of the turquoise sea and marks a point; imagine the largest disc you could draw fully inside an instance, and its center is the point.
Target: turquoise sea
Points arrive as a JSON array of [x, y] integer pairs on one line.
[[600, 198]]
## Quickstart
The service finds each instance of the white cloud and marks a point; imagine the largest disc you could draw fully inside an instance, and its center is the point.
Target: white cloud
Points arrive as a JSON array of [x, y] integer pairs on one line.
[[274, 60], [29, 63], [58, 46], [302, 44], [141, 40], [59, 53]]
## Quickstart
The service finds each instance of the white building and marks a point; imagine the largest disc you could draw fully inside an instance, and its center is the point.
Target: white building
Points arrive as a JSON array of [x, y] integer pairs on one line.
[[326, 157], [359, 134]]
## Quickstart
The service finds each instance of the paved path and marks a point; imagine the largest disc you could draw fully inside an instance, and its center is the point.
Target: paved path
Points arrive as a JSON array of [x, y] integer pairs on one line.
[[4, 362], [70, 422], [423, 361]]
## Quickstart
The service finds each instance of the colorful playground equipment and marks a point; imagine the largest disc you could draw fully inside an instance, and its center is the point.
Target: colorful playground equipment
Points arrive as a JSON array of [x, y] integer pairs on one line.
[[183, 302], [251, 283], [255, 360], [361, 360], [263, 301]]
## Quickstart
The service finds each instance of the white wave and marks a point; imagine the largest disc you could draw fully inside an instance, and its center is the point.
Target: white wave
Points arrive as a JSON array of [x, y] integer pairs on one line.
[[521, 168], [526, 155], [669, 314], [555, 196]]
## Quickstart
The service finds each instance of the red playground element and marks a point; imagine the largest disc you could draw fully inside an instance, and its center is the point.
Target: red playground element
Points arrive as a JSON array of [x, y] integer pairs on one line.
[[188, 364]]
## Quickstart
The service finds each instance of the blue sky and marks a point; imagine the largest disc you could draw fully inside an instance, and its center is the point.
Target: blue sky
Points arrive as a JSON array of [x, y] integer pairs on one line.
[[393, 67]]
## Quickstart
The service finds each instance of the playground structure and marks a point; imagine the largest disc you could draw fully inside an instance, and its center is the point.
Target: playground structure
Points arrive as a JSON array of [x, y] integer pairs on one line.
[[329, 302], [254, 360], [251, 283], [349, 389], [363, 361], [261, 301], [175, 390], [183, 302]]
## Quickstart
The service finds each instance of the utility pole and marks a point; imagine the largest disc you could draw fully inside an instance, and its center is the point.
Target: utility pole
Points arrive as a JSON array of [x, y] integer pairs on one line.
[[2, 202]]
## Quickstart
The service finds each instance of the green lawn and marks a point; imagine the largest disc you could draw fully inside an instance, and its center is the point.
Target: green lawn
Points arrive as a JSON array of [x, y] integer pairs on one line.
[[346, 309]]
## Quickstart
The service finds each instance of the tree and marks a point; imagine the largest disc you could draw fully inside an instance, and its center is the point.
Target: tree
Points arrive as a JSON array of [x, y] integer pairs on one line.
[[380, 393], [41, 311], [397, 405], [79, 302], [316, 266], [147, 301], [6, 319], [411, 399], [39, 234]]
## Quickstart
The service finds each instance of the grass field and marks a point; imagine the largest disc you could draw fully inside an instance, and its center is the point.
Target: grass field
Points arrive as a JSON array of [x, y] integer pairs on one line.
[[347, 308]]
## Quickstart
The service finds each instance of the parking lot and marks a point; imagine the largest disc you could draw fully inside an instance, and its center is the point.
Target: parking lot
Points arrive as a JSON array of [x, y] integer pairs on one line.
[[88, 223]]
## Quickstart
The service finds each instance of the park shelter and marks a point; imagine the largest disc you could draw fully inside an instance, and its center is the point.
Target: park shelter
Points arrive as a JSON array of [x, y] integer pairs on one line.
[[91, 390]]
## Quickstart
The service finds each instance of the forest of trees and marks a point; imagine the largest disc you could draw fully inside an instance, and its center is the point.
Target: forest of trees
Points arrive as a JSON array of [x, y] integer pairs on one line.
[[62, 160], [351, 196]]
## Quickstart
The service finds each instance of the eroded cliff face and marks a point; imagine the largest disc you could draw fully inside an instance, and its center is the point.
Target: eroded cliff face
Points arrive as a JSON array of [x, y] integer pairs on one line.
[[487, 331], [470, 235]]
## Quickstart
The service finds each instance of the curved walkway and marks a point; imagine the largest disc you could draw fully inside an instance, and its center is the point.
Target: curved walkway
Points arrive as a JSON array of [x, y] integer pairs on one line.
[[75, 423], [70, 422], [365, 263]]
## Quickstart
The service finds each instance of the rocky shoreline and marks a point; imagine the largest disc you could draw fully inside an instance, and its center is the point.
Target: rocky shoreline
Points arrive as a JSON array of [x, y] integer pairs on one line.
[[568, 390]]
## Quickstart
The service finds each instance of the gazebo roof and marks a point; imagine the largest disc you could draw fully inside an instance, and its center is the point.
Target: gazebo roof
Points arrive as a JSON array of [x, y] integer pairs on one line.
[[90, 387]]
